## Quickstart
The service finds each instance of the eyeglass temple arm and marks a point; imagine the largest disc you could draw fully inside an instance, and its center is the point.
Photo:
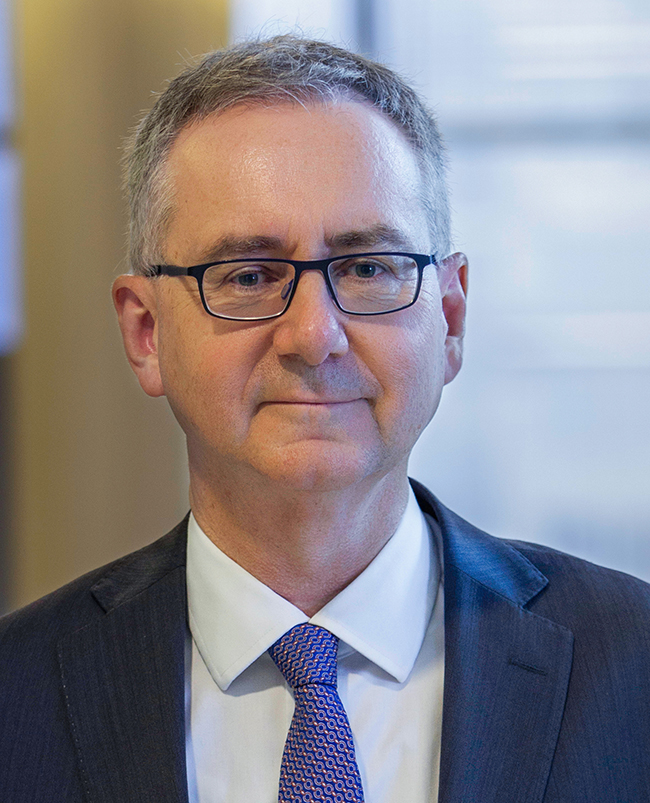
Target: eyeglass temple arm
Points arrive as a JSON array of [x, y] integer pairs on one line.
[[170, 270]]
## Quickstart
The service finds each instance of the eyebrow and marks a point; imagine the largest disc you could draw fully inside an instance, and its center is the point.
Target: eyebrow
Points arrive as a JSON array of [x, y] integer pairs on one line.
[[377, 236], [231, 246]]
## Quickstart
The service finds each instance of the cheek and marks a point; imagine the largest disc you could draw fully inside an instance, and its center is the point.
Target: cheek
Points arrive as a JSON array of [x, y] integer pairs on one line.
[[205, 384], [410, 368]]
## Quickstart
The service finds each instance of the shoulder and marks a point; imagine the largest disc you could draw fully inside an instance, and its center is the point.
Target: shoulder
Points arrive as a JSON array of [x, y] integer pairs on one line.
[[32, 629], [581, 596], [39, 761], [580, 592]]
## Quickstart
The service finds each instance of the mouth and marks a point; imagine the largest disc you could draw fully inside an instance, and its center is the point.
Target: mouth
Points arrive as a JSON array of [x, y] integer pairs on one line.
[[312, 402]]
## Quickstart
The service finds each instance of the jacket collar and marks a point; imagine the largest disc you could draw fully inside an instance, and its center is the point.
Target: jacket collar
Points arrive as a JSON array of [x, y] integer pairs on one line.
[[488, 560], [139, 570], [506, 669]]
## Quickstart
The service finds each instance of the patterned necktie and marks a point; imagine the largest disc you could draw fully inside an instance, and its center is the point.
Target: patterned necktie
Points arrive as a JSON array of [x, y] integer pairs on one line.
[[318, 763]]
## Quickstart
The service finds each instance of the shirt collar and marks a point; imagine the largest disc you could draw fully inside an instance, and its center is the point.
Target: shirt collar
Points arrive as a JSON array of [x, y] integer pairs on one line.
[[383, 613]]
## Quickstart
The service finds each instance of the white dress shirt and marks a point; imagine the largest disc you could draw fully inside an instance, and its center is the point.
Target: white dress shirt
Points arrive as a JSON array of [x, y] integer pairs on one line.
[[390, 624]]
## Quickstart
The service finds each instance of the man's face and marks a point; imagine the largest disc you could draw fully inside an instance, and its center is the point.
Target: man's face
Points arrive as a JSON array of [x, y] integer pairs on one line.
[[314, 399]]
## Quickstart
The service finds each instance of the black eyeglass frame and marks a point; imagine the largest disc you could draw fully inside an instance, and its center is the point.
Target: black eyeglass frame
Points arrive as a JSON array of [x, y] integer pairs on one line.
[[300, 266]]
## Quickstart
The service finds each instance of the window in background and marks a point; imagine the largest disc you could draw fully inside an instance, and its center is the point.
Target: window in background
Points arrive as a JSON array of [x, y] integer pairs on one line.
[[345, 22], [10, 312], [545, 106]]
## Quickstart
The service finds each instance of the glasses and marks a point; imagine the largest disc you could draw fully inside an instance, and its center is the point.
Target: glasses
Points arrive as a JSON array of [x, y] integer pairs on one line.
[[259, 289]]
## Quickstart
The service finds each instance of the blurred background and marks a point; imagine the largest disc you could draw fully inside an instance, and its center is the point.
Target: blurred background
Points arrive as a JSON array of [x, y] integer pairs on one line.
[[545, 105]]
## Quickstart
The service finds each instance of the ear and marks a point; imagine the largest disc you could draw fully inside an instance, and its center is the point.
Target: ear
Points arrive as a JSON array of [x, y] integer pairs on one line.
[[452, 276], [137, 312]]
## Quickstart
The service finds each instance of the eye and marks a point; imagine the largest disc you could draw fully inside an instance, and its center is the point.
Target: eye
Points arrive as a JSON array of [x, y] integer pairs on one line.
[[252, 277], [249, 279], [362, 268], [366, 270]]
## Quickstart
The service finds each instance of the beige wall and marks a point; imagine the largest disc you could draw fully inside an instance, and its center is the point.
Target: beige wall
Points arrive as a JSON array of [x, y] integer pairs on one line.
[[99, 465]]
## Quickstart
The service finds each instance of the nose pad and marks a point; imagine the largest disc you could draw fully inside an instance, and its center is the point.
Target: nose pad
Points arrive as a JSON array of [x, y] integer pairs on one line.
[[286, 290]]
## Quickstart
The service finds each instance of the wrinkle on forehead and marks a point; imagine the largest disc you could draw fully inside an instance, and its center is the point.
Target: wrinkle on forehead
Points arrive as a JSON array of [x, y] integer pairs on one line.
[[250, 165]]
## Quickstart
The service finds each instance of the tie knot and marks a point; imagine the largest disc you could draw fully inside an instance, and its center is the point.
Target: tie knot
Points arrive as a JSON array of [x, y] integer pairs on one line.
[[306, 654]]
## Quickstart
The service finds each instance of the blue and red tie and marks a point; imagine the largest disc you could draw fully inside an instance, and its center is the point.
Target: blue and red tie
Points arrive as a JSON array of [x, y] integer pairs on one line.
[[318, 763]]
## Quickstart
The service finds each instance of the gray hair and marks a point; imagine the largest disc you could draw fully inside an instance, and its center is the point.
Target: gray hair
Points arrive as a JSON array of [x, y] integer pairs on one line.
[[283, 68]]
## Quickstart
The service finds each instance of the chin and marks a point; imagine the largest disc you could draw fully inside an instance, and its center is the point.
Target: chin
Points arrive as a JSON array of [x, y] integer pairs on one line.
[[319, 466]]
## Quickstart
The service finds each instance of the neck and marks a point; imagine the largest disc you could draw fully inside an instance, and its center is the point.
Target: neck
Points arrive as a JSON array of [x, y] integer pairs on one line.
[[305, 545]]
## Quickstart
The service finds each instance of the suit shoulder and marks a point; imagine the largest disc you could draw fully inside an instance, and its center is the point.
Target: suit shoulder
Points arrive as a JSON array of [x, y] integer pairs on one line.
[[560, 576], [550, 561], [579, 590], [73, 605]]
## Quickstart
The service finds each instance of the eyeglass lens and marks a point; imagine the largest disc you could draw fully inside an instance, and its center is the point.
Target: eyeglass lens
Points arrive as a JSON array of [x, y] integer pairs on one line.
[[250, 290]]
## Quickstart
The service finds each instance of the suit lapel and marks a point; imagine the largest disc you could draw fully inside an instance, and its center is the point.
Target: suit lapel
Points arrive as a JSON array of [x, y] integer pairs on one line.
[[506, 670], [123, 679]]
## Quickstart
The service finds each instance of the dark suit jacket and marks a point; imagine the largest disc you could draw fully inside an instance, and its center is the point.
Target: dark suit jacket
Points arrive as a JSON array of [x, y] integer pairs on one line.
[[546, 698]]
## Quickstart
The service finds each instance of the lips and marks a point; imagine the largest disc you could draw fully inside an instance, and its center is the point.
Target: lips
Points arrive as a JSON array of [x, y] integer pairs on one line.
[[325, 387], [312, 402]]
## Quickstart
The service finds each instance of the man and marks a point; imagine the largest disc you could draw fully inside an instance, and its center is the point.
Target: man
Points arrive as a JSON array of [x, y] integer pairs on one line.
[[294, 297]]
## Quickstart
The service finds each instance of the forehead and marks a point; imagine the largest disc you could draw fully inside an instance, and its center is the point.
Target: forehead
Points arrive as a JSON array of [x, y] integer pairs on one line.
[[287, 169]]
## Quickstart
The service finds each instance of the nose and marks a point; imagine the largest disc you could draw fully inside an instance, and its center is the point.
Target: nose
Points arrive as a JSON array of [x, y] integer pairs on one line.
[[312, 328]]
